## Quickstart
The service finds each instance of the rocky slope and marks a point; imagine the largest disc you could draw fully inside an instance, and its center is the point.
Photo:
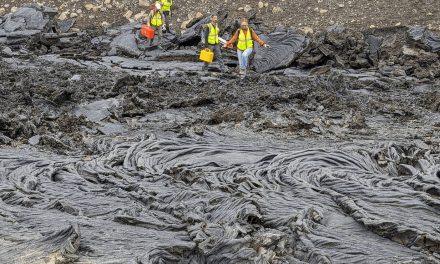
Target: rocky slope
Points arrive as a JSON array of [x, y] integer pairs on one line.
[[347, 77], [308, 15]]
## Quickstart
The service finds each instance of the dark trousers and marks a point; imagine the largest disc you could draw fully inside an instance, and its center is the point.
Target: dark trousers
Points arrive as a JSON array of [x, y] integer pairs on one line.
[[217, 55], [157, 33], [167, 20]]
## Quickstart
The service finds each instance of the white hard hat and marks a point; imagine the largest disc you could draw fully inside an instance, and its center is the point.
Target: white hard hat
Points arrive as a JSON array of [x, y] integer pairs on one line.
[[158, 6]]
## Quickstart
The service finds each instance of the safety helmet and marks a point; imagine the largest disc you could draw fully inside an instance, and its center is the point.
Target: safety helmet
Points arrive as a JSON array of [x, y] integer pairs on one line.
[[158, 6]]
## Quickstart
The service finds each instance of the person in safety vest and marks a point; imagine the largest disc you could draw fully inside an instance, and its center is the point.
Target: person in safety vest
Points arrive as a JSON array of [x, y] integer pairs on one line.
[[245, 37], [155, 20], [211, 41], [166, 10]]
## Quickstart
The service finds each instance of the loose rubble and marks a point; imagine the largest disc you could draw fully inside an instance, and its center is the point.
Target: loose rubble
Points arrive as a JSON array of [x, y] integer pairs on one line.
[[339, 47]]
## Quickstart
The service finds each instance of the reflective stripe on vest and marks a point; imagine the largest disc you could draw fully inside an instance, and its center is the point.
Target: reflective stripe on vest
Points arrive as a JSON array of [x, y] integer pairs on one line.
[[156, 20], [213, 34], [166, 5], [245, 41]]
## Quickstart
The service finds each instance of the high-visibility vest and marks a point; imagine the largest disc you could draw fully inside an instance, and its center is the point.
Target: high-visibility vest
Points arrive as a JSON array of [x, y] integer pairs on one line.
[[213, 34], [245, 40], [166, 5], [156, 20]]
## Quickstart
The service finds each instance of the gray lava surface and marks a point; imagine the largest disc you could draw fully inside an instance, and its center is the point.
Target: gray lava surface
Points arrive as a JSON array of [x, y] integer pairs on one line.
[[113, 152]]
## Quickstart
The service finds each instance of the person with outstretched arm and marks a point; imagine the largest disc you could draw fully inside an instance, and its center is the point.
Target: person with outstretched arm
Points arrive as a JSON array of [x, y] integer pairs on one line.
[[211, 41], [245, 38]]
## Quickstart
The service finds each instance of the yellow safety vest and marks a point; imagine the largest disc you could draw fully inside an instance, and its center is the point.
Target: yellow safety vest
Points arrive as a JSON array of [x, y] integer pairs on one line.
[[156, 20], [213, 34], [166, 5], [245, 41]]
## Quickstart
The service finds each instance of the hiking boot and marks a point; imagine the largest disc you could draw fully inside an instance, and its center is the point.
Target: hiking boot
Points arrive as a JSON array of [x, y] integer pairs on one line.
[[242, 72]]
